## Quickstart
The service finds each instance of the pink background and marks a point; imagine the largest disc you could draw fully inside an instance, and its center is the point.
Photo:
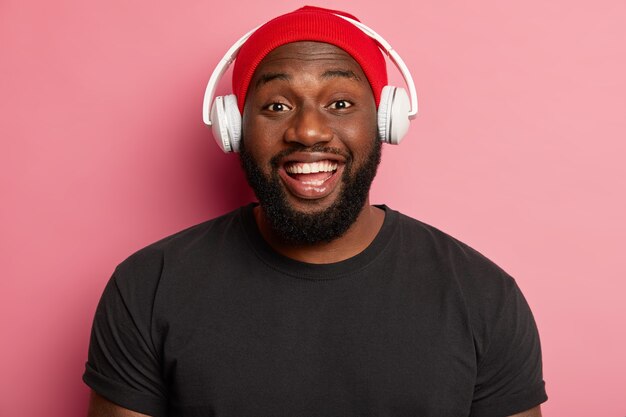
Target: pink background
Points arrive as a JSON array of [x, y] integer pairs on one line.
[[518, 150]]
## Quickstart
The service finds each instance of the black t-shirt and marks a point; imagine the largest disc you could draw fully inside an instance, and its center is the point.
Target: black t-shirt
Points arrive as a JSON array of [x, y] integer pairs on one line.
[[212, 322]]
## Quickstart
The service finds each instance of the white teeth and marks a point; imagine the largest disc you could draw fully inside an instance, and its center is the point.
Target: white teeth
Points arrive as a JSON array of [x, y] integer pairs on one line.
[[311, 168]]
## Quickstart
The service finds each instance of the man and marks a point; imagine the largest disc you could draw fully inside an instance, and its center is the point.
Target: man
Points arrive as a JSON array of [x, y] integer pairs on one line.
[[312, 302]]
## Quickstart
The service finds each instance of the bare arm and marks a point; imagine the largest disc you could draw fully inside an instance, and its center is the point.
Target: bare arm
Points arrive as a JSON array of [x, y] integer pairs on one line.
[[533, 412], [101, 407]]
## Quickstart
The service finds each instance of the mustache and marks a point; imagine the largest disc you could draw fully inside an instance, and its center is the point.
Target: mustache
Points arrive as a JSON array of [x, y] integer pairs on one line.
[[276, 159]]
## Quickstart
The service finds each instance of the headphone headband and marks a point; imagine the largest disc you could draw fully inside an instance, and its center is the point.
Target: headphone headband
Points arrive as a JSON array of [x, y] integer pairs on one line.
[[395, 58], [231, 54], [217, 74]]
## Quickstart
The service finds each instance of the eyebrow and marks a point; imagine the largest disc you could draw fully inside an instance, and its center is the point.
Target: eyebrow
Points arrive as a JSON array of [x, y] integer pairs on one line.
[[340, 73], [271, 76]]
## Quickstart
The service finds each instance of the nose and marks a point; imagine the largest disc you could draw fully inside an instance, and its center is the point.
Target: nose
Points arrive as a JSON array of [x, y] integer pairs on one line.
[[308, 127]]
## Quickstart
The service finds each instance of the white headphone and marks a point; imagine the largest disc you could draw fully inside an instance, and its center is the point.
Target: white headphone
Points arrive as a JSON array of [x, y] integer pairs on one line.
[[394, 110]]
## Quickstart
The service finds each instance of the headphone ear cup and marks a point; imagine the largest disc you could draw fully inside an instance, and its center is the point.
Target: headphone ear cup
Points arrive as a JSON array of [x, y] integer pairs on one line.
[[234, 121], [384, 111], [226, 121], [393, 114], [220, 124]]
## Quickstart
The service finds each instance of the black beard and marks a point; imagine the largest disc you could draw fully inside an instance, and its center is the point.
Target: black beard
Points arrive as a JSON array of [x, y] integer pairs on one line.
[[326, 225]]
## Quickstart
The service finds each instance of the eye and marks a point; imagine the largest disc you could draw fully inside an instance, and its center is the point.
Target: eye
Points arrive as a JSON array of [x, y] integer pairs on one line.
[[277, 107], [340, 105]]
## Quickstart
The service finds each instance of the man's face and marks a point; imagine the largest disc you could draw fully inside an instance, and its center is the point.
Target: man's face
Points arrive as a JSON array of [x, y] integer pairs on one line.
[[310, 148]]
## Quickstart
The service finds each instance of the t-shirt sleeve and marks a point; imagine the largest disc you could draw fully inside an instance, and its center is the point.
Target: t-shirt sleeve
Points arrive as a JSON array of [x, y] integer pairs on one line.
[[510, 378], [123, 365]]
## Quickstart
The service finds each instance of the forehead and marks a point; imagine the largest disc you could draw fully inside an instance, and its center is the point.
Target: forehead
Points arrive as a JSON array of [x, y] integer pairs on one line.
[[305, 55]]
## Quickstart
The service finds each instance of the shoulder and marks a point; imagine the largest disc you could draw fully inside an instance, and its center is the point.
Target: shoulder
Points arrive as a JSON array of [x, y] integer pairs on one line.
[[482, 285], [144, 268], [473, 270], [504, 334]]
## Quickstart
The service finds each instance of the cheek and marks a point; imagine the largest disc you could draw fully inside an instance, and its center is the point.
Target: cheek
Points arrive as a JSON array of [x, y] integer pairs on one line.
[[361, 134], [260, 129], [362, 131], [258, 138]]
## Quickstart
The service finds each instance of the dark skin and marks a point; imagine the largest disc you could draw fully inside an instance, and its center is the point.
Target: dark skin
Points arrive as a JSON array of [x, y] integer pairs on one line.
[[293, 98], [310, 93], [101, 407]]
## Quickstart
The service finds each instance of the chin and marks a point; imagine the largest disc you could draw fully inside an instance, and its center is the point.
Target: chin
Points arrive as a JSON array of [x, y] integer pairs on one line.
[[311, 221]]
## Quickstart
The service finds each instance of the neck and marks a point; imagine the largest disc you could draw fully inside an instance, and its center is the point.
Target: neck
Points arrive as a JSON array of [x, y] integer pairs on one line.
[[354, 241]]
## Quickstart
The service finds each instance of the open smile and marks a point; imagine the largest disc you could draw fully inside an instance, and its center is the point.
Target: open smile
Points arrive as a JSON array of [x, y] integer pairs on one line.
[[311, 175]]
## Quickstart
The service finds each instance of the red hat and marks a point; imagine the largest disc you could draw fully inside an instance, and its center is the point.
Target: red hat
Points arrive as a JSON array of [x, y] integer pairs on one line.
[[309, 24]]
